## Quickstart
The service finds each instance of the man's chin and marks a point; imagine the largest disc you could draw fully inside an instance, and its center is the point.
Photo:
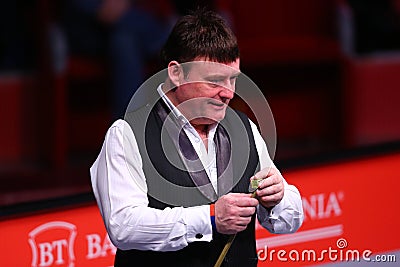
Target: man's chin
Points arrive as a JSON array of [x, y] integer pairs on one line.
[[217, 117], [210, 117], [208, 120]]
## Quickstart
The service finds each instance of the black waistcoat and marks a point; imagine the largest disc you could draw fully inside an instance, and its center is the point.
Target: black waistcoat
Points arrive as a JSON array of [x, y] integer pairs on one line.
[[146, 125]]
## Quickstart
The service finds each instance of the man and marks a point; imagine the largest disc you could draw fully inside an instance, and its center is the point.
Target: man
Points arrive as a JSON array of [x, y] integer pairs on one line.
[[172, 178]]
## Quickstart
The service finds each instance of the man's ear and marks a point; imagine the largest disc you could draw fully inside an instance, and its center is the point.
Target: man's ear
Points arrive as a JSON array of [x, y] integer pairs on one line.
[[175, 73]]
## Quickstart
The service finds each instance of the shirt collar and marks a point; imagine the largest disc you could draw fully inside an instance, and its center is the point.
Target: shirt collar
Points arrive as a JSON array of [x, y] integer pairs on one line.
[[175, 111]]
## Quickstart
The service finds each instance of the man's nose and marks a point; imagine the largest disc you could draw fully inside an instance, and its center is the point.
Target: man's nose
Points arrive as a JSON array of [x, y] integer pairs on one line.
[[227, 91]]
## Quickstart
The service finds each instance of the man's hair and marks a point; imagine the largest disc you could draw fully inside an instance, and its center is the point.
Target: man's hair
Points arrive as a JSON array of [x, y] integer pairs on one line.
[[202, 33]]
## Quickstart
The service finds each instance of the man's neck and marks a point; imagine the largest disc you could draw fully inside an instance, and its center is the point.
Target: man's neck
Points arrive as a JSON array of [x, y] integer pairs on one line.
[[202, 130]]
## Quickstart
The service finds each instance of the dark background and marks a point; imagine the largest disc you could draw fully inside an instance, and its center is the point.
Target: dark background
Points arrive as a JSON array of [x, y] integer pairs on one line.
[[330, 71]]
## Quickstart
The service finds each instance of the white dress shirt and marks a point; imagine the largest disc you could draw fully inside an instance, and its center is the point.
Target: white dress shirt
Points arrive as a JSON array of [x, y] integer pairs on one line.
[[120, 189]]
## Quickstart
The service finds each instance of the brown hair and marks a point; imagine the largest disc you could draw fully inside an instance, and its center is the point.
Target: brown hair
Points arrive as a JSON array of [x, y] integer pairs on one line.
[[202, 33]]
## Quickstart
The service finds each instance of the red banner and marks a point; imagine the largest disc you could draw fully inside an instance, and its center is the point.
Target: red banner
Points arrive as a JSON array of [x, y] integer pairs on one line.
[[72, 237], [351, 213]]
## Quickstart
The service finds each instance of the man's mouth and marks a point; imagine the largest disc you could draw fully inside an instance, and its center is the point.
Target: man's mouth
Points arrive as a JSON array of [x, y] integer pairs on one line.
[[218, 104]]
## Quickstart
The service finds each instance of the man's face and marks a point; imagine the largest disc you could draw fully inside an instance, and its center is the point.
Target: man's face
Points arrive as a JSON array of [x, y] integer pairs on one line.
[[206, 90]]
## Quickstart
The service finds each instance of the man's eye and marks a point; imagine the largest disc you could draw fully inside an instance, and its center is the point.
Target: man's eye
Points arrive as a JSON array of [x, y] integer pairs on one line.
[[215, 83]]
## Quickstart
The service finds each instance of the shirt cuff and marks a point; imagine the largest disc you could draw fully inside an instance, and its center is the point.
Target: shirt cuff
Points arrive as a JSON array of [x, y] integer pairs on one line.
[[282, 218], [198, 224]]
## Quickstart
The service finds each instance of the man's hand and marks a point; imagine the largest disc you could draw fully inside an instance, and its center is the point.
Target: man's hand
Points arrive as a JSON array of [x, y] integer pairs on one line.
[[271, 189], [233, 212]]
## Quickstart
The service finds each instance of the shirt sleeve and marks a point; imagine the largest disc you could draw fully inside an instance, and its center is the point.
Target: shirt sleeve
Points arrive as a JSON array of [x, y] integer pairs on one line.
[[287, 216], [120, 189]]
